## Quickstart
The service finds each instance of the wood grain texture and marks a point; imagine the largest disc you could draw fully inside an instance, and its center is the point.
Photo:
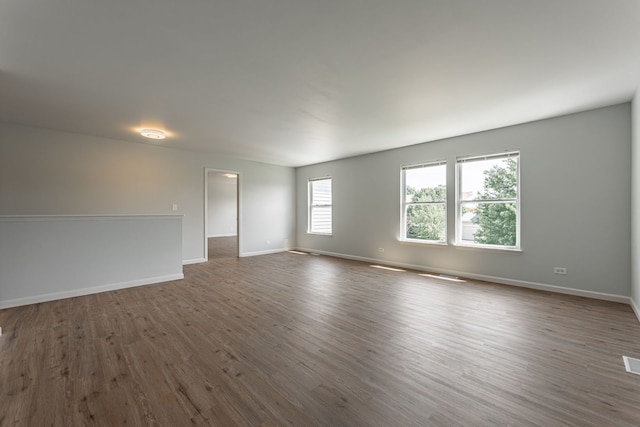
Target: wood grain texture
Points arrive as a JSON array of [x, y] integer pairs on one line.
[[222, 247], [305, 340]]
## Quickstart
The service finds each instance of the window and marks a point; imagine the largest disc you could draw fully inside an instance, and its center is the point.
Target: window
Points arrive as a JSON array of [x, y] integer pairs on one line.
[[320, 208], [488, 201], [424, 202]]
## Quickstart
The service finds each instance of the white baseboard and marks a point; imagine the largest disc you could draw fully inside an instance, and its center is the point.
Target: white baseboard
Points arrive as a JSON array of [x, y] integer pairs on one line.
[[222, 235], [635, 307], [501, 280], [193, 261], [267, 252], [87, 291]]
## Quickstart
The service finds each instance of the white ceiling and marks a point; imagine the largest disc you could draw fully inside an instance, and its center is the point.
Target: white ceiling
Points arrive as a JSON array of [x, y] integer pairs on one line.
[[296, 82]]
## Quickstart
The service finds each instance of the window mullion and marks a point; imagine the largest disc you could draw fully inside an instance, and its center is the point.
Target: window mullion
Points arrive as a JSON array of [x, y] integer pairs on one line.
[[489, 201]]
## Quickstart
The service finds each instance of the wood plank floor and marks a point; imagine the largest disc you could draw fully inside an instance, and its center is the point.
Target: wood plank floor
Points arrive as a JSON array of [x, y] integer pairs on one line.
[[304, 340], [222, 247]]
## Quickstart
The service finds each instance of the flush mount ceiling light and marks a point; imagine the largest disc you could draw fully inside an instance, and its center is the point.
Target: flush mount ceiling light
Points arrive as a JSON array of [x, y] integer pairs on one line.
[[153, 134]]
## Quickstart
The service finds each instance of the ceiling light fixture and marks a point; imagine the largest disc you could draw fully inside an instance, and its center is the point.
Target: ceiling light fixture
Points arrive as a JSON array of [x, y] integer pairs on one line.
[[153, 134]]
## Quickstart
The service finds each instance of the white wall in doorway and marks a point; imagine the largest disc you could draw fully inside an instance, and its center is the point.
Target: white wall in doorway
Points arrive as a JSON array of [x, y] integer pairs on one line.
[[222, 199]]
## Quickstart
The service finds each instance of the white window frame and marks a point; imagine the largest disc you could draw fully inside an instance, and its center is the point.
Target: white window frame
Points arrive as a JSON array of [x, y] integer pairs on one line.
[[404, 205], [312, 204], [460, 202]]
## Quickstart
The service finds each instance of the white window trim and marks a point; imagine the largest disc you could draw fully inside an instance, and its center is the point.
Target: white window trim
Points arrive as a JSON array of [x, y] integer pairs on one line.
[[311, 205], [458, 220], [404, 205]]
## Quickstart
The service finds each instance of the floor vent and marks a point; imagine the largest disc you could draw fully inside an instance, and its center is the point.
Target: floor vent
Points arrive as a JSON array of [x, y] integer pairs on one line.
[[632, 365]]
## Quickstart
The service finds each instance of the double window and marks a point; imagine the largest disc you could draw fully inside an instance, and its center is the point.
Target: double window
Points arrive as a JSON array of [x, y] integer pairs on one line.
[[320, 206], [424, 202], [487, 202]]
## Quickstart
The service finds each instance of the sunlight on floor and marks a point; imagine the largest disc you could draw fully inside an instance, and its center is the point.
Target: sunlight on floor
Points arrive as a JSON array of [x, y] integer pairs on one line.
[[381, 267], [298, 253], [443, 277]]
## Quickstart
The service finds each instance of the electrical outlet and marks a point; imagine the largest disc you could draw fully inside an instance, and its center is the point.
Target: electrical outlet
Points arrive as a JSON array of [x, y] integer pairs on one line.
[[380, 249], [559, 270], [174, 207]]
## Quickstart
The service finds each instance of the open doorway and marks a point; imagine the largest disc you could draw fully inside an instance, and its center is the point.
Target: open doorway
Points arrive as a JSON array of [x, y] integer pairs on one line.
[[221, 214]]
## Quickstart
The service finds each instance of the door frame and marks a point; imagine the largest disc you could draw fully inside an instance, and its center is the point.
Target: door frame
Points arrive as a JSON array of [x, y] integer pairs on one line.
[[206, 209]]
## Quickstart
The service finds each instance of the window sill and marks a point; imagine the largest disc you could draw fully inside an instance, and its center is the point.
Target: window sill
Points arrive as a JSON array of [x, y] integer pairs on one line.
[[320, 234], [423, 243], [486, 248]]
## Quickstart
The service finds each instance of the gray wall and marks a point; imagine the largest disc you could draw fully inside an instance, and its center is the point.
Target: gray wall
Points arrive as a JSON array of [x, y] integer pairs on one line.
[[575, 182], [222, 205], [43, 258], [45, 172], [635, 199]]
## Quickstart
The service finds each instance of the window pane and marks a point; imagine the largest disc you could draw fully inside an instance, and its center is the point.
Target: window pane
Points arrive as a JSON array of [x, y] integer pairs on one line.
[[321, 219], [489, 223], [321, 192], [489, 179], [426, 184], [426, 222], [320, 206]]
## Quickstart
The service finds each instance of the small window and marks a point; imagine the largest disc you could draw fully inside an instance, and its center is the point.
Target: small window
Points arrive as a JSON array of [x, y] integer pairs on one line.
[[488, 208], [320, 206], [424, 202]]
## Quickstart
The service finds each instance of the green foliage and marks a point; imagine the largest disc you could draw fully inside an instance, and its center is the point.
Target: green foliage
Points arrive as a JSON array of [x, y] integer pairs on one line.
[[426, 222], [430, 194], [497, 221]]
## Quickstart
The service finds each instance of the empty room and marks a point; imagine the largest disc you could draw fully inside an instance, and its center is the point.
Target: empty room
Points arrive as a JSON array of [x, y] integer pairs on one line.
[[316, 213]]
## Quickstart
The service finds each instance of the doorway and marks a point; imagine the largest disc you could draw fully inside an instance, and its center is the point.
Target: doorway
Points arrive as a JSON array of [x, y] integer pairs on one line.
[[221, 214]]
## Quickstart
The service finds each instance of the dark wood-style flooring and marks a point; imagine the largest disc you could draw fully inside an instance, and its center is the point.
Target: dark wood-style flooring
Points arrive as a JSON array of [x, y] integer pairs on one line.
[[222, 247], [304, 340]]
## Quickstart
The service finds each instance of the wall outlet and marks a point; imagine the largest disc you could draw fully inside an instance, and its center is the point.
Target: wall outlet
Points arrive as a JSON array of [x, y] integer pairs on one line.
[[174, 207], [380, 249], [559, 270]]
